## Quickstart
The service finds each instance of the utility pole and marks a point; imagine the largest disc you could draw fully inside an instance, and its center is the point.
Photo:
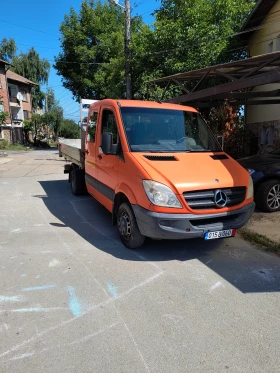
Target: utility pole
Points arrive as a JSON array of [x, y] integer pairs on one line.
[[128, 50], [127, 40], [48, 125]]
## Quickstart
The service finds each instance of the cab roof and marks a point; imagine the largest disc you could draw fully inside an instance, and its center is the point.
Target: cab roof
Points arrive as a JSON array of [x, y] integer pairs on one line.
[[146, 104]]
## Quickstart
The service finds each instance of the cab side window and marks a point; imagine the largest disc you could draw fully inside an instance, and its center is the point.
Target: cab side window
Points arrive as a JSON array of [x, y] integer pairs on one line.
[[92, 122], [109, 124]]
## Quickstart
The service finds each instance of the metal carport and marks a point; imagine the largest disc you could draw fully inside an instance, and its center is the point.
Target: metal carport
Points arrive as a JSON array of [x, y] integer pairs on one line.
[[233, 81]]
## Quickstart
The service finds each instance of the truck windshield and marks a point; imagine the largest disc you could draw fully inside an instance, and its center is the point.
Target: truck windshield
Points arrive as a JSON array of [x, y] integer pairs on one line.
[[166, 130]]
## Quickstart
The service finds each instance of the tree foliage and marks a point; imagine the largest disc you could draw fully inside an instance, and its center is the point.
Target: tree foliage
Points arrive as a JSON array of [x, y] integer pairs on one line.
[[35, 125], [8, 49], [69, 129], [198, 33], [91, 62], [29, 65], [33, 68], [186, 35], [3, 114], [54, 119]]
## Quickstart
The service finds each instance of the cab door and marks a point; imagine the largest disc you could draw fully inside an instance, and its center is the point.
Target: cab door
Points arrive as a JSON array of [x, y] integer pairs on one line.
[[107, 165], [90, 152]]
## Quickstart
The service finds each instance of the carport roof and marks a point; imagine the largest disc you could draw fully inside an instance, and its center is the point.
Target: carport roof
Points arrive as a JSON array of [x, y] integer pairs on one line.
[[224, 78]]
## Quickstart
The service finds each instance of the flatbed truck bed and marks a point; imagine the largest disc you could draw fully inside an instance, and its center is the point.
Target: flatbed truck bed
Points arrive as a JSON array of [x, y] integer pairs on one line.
[[71, 150]]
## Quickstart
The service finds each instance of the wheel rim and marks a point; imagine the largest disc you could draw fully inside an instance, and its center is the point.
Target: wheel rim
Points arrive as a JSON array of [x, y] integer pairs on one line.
[[124, 225], [273, 197]]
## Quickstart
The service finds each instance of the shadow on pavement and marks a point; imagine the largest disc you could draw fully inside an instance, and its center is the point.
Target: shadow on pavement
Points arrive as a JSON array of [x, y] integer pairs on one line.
[[246, 268]]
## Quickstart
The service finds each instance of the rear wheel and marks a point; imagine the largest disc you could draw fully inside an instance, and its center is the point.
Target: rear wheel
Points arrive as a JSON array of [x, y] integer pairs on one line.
[[268, 196], [128, 228], [77, 180]]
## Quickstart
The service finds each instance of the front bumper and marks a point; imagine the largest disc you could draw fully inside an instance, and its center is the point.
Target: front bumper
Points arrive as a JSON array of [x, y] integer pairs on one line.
[[184, 226]]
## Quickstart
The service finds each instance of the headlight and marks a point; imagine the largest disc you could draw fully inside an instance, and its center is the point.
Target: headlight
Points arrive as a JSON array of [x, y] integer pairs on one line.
[[251, 171], [250, 191], [160, 194]]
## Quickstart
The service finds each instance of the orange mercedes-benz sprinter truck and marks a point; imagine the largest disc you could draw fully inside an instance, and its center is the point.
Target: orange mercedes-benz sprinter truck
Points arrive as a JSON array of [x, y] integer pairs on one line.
[[161, 173]]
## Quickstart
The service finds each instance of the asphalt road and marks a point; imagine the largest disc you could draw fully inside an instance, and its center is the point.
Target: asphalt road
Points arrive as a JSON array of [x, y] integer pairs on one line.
[[73, 299]]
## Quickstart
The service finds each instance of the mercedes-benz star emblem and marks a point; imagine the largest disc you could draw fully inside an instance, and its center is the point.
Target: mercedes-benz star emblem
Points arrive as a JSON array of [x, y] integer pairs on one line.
[[220, 198]]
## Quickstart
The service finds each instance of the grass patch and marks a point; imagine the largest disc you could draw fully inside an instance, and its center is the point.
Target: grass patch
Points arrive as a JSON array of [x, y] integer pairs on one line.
[[53, 144], [260, 240], [17, 147]]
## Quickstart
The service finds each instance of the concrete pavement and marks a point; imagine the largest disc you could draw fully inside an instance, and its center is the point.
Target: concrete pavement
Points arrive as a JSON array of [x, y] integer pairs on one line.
[[73, 299]]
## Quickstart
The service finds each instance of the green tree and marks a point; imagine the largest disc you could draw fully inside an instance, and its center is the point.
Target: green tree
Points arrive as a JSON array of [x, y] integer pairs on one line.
[[8, 49], [53, 119], [192, 34], [36, 124], [32, 67], [50, 97], [69, 129], [92, 59], [3, 114], [27, 128]]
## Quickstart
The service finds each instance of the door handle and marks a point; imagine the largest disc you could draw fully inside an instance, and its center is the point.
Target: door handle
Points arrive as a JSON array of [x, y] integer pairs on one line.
[[99, 156], [87, 151]]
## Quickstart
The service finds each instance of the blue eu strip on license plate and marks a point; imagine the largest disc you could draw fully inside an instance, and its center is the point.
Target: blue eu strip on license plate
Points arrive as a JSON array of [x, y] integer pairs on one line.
[[220, 234]]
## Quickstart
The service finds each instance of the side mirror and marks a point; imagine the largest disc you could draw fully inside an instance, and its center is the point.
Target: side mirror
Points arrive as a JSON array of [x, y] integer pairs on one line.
[[106, 142], [221, 141]]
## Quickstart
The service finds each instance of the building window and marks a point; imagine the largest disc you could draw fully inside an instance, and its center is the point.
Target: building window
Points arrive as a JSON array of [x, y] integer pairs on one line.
[[24, 96], [13, 90], [25, 115], [1, 107], [270, 47]]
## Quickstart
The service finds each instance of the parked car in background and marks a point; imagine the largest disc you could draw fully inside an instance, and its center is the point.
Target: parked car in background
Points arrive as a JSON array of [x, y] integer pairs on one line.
[[265, 172]]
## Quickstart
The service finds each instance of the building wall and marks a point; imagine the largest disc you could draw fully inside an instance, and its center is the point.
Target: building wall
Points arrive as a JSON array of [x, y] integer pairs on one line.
[[263, 41], [4, 91], [5, 132]]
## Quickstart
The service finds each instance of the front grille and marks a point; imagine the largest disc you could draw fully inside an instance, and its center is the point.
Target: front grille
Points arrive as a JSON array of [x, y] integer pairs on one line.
[[204, 199]]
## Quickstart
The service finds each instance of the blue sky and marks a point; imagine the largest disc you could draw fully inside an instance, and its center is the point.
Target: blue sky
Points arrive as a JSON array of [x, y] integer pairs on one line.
[[34, 23]]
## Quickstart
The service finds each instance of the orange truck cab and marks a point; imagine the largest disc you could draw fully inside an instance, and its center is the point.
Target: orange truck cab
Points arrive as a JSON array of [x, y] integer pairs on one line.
[[160, 171]]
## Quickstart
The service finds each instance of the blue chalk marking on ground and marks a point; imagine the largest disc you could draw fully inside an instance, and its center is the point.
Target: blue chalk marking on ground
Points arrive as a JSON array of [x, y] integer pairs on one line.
[[74, 303], [15, 298], [43, 287], [112, 289]]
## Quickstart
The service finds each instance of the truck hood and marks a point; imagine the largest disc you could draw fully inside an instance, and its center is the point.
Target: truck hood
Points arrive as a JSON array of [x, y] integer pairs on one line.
[[193, 171]]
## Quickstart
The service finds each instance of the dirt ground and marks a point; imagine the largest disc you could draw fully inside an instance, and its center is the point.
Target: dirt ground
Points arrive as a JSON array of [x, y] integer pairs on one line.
[[267, 224]]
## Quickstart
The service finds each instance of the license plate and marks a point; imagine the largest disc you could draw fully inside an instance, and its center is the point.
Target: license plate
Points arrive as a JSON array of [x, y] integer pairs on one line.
[[220, 234]]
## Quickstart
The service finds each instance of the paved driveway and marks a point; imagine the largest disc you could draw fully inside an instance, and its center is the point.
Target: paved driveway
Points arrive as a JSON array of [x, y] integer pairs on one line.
[[73, 299]]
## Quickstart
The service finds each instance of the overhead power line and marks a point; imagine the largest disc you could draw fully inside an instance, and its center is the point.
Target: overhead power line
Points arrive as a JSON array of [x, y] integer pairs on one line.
[[29, 28]]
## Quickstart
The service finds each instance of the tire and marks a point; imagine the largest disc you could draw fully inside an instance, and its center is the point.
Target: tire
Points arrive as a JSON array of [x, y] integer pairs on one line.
[[128, 228], [77, 180], [268, 196]]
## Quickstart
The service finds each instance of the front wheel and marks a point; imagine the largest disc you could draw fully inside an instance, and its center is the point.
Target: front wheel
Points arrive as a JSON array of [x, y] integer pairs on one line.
[[268, 196], [128, 228]]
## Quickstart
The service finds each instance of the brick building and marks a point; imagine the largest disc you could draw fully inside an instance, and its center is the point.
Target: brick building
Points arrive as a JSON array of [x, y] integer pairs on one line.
[[15, 93]]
